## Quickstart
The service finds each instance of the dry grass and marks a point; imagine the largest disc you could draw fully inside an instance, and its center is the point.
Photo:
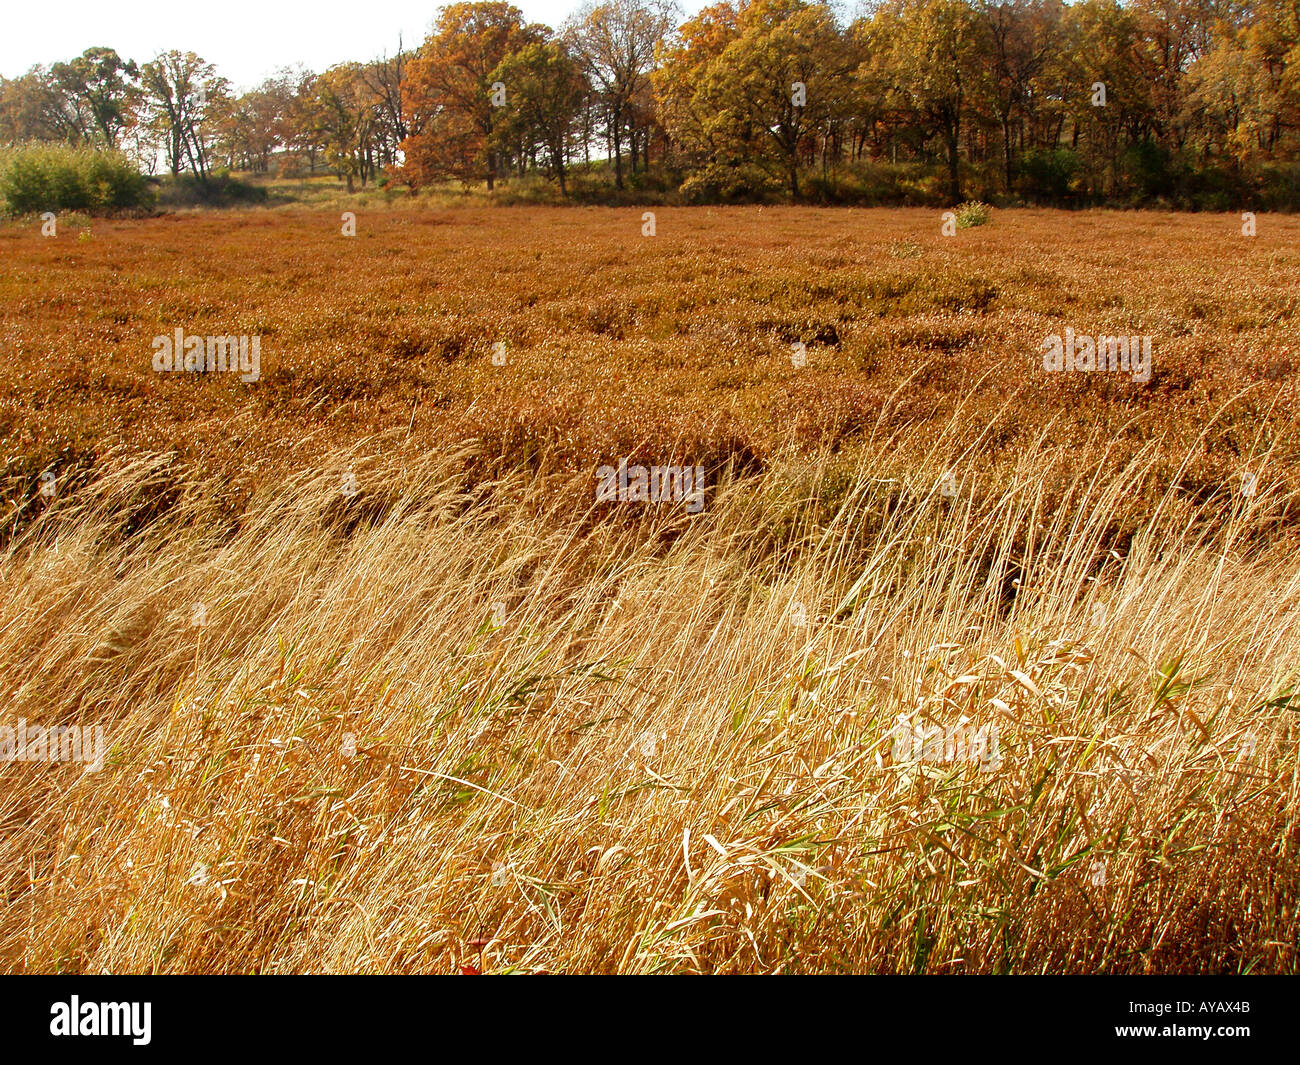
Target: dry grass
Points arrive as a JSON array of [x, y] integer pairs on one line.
[[646, 767], [641, 764]]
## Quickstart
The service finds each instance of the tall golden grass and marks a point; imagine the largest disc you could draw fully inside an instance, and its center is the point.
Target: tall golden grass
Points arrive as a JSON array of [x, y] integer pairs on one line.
[[596, 740]]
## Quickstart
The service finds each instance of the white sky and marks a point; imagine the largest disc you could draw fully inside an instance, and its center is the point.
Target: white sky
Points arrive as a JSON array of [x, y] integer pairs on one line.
[[246, 39]]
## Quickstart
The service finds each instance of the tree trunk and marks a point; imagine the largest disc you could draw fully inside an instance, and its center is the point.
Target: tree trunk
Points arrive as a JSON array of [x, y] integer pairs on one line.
[[953, 137], [617, 125], [1006, 148]]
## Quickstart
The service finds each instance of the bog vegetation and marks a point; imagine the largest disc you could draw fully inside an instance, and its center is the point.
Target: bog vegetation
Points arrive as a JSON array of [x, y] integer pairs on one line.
[[386, 689]]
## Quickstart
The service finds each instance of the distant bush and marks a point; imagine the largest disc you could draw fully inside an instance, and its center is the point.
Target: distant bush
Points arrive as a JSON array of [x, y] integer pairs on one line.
[[1148, 171], [1048, 174], [925, 189], [1279, 184], [217, 190], [826, 190], [716, 183], [972, 213], [651, 183], [1212, 187], [47, 177]]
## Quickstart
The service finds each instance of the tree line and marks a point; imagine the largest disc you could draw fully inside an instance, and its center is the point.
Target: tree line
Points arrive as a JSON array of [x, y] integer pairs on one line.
[[1192, 101]]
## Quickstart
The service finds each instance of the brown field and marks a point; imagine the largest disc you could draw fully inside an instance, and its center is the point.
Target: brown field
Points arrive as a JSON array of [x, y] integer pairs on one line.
[[620, 344], [471, 718]]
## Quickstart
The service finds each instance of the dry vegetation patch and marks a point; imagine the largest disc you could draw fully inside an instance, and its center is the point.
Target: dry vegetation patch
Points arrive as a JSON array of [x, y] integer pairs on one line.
[[462, 715]]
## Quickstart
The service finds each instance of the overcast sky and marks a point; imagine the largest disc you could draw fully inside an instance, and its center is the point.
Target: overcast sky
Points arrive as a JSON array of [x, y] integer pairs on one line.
[[246, 39]]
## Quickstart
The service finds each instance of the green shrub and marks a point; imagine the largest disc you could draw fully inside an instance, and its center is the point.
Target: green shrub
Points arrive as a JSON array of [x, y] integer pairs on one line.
[[1048, 173], [1148, 171], [48, 177], [219, 189], [972, 213], [718, 183], [925, 189], [1279, 186]]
